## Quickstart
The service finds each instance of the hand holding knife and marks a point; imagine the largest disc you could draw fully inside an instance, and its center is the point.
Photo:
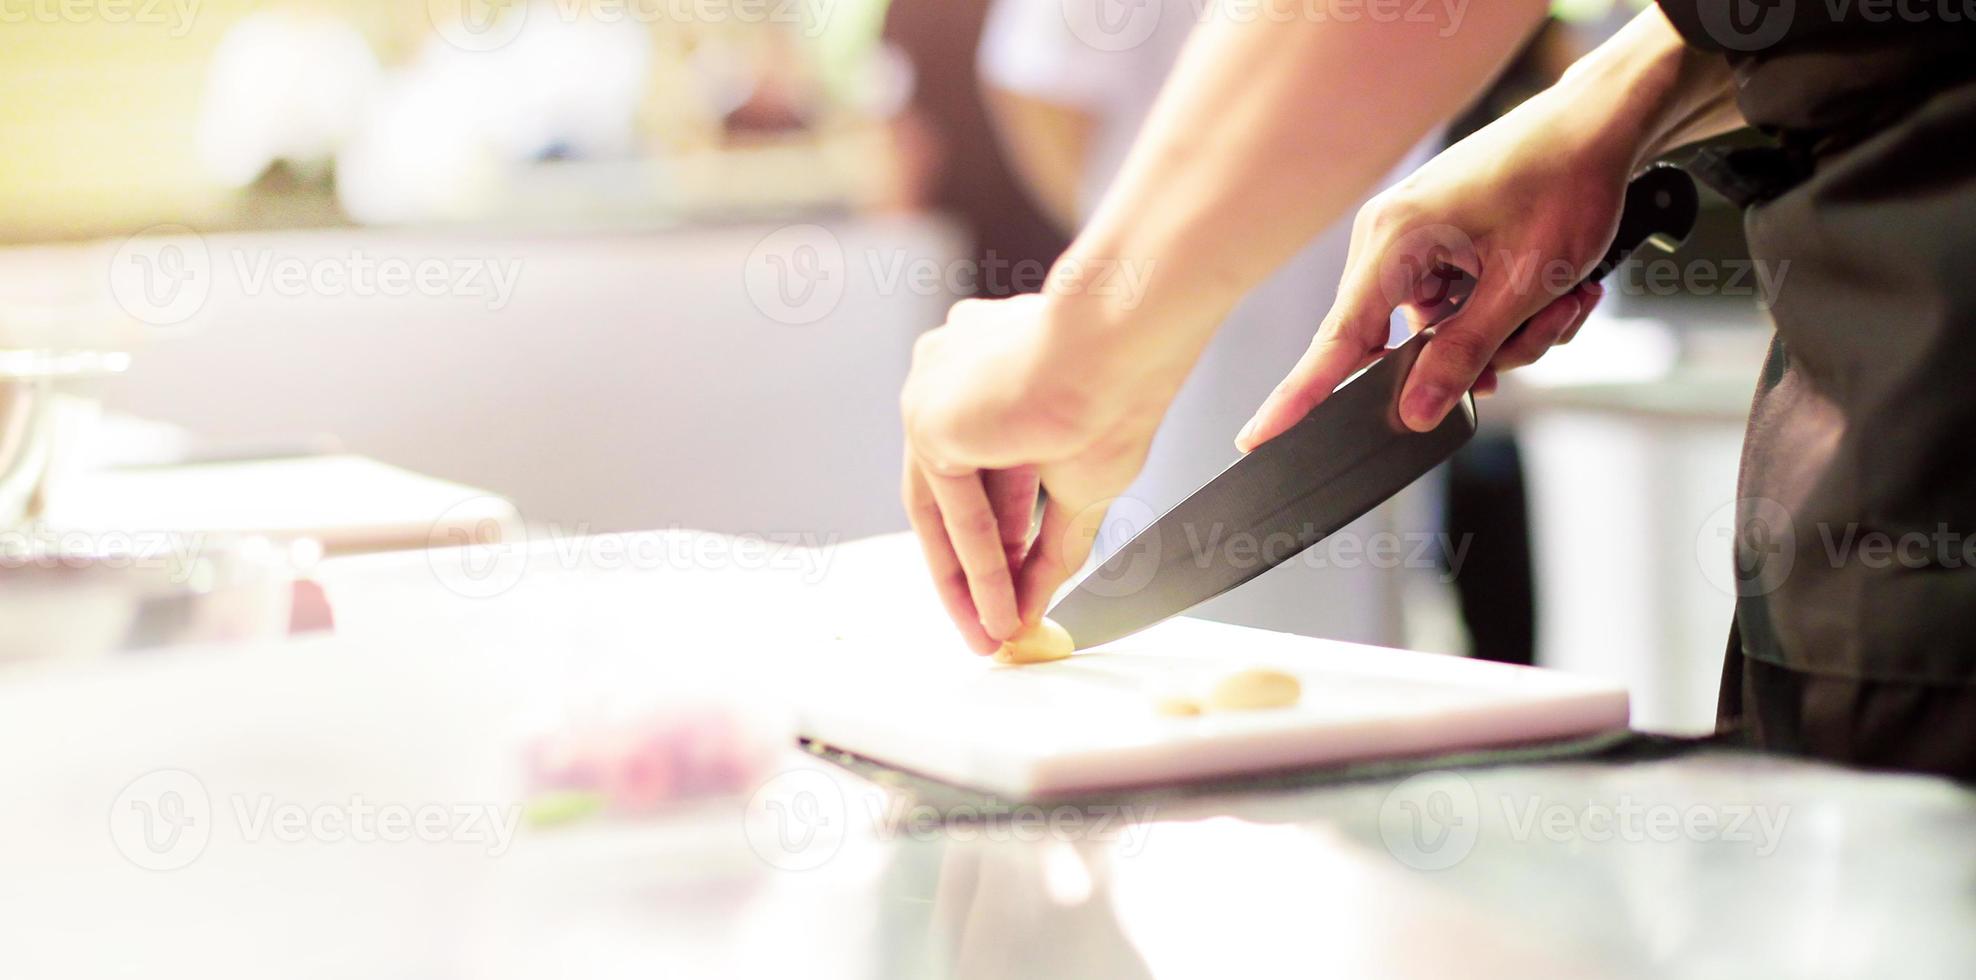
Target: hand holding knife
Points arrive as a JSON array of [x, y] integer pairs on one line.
[[1343, 458]]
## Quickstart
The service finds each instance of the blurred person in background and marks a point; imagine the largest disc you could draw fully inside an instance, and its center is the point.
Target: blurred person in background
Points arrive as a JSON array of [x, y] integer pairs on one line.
[[1861, 417], [1068, 111], [951, 152]]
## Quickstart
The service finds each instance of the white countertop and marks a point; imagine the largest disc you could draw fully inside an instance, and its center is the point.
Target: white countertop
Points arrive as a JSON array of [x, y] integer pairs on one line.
[[411, 707]]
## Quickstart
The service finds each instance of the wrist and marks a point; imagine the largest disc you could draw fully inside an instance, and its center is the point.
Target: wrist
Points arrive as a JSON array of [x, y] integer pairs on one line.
[[1122, 317], [1630, 94], [1099, 354]]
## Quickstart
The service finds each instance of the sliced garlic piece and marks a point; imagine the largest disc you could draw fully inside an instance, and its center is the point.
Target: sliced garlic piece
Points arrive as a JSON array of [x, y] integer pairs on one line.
[[1253, 690], [1041, 643]]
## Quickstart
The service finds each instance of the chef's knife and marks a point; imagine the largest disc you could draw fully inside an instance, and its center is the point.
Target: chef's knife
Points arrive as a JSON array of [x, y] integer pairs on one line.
[[1346, 457]]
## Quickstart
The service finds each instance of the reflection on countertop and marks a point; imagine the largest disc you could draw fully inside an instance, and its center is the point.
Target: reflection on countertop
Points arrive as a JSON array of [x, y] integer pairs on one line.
[[1716, 863]]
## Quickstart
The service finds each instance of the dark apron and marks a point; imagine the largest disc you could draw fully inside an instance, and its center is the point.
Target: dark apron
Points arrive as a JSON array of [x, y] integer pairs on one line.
[[1855, 551]]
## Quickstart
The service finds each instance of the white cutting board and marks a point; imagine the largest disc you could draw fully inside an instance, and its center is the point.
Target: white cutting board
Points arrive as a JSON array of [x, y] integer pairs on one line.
[[1088, 723]]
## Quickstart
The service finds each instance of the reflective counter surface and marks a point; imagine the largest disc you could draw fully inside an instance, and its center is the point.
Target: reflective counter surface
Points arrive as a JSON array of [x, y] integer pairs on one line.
[[148, 826], [1709, 863]]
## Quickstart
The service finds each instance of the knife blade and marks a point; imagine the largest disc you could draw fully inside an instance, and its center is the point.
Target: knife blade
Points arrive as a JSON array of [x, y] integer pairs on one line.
[[1350, 454]]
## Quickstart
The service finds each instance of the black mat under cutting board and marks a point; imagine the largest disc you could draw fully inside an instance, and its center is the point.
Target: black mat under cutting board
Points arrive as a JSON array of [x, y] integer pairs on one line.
[[914, 790]]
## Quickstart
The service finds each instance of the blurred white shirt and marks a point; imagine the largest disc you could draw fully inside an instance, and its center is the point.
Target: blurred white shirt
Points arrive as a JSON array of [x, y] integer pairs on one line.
[[1109, 58]]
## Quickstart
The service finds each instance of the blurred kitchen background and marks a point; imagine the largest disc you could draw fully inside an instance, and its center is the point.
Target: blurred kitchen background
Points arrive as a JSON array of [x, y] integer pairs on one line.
[[368, 273]]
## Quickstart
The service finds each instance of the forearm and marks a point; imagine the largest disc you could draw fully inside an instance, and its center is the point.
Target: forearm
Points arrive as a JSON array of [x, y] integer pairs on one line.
[[1645, 92], [1267, 133]]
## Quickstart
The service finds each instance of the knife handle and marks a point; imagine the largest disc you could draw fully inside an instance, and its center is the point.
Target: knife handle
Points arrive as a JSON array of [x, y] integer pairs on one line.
[[1660, 209]]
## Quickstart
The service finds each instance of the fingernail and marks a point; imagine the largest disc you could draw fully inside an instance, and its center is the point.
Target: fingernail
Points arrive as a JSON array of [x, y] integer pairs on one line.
[[1000, 632], [1422, 408], [1242, 437]]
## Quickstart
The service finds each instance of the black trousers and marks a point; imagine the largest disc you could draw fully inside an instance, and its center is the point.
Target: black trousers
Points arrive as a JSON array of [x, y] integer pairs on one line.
[[1874, 724]]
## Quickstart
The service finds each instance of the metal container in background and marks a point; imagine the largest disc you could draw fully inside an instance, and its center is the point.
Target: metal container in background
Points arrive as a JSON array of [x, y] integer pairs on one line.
[[48, 409], [60, 601]]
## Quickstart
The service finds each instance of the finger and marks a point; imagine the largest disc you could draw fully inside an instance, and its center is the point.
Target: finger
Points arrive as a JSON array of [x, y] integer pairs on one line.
[[1352, 336], [1486, 383], [1461, 347], [1538, 334], [1012, 494], [1080, 496], [1063, 543], [923, 512], [976, 537], [1589, 294]]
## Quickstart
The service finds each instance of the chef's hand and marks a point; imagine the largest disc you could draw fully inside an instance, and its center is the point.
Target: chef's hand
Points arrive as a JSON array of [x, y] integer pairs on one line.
[[1001, 401], [1518, 207], [1525, 206]]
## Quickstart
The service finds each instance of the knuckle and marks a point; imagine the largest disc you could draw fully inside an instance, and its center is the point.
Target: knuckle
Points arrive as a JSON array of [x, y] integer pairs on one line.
[[1339, 330], [991, 577], [1057, 415], [922, 511], [993, 571], [1384, 207], [924, 344], [978, 524], [1513, 356], [1379, 221], [955, 582], [1366, 218], [925, 430]]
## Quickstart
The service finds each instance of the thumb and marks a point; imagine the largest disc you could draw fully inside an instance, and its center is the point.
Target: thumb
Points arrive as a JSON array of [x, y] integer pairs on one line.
[[1063, 543], [1081, 494]]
